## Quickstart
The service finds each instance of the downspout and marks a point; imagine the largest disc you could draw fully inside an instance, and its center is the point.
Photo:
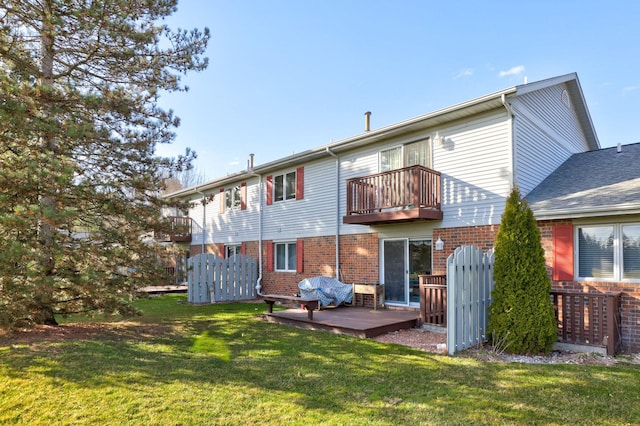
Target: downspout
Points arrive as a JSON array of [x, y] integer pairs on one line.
[[337, 211], [204, 219], [512, 176], [259, 281]]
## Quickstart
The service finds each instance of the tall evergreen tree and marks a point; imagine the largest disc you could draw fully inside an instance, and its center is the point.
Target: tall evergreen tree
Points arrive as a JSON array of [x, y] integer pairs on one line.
[[521, 316], [79, 124]]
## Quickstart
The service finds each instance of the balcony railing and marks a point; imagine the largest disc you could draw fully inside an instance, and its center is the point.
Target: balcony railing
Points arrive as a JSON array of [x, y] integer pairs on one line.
[[402, 195], [180, 230]]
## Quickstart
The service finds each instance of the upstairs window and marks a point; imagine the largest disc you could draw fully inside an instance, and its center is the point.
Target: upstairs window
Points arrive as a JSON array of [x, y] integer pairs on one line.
[[287, 186], [411, 154], [232, 197], [284, 187]]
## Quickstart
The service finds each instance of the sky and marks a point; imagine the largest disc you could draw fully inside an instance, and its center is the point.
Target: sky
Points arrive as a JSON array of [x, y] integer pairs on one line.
[[285, 76]]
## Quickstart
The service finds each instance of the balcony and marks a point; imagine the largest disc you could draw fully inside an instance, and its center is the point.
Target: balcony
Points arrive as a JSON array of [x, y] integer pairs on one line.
[[180, 230], [403, 195]]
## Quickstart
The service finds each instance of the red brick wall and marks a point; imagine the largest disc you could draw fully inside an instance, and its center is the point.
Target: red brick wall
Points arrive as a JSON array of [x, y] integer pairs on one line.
[[630, 303], [358, 260], [480, 236], [319, 259], [484, 236], [208, 248]]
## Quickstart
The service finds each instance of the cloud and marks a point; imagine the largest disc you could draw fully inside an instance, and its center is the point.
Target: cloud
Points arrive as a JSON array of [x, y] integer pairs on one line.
[[233, 162], [628, 89], [464, 73], [513, 71]]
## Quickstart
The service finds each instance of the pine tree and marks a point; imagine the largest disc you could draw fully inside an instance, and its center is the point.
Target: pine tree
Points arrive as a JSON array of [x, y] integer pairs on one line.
[[521, 316], [80, 181]]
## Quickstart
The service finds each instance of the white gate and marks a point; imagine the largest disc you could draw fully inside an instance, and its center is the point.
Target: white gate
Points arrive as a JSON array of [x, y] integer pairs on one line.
[[469, 285], [213, 279]]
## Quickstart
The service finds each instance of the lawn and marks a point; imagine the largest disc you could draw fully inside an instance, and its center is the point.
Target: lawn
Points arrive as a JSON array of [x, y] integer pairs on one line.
[[221, 364]]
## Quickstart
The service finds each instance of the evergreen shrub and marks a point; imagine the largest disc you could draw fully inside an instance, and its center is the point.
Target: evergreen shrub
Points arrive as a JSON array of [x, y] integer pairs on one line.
[[521, 316]]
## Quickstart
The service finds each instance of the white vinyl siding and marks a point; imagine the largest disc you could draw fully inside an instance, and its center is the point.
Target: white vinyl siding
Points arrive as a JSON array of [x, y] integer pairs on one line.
[[475, 163], [547, 132], [476, 158], [314, 215], [234, 225]]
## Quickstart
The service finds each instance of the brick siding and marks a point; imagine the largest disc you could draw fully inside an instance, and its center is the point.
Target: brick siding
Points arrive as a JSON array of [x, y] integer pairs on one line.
[[359, 260], [630, 299]]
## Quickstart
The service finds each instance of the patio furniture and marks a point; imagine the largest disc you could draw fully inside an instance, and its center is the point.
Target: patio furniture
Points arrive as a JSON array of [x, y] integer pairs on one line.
[[327, 290], [310, 304], [376, 289]]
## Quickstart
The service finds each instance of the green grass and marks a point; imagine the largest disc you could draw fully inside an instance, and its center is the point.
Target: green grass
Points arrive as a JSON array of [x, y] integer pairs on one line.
[[219, 364]]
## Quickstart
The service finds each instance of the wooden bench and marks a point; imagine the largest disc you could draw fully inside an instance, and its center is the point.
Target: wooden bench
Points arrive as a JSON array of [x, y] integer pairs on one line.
[[309, 304]]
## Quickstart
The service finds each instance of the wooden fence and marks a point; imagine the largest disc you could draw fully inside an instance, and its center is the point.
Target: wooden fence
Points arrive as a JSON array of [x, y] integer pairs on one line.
[[469, 286], [433, 299], [213, 279], [588, 318]]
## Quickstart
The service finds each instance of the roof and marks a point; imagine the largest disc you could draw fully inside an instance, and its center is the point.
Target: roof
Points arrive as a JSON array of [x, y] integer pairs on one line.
[[459, 111], [596, 183]]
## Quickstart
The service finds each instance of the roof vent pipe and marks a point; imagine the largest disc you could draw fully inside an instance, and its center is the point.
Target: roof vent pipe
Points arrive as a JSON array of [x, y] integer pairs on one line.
[[367, 121], [619, 148], [250, 162]]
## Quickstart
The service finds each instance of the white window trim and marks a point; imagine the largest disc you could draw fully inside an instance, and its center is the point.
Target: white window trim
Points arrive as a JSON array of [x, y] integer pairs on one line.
[[402, 146], [287, 244], [284, 186], [232, 191], [236, 248], [617, 251]]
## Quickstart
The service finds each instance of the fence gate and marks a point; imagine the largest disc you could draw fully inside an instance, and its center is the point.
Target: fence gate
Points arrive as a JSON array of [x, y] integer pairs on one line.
[[213, 279], [469, 285]]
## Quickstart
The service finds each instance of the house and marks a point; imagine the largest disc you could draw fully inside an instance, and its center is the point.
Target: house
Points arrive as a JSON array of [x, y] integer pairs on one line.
[[371, 208], [588, 211]]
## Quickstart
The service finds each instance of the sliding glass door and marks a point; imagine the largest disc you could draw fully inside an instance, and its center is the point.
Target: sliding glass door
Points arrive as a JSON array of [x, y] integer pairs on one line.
[[403, 262]]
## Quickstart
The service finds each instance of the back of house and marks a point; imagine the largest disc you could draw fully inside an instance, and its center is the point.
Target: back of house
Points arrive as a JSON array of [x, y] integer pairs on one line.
[[390, 204]]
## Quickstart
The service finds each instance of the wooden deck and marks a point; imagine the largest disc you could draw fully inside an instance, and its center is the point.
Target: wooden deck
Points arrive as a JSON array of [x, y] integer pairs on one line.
[[164, 289], [353, 321]]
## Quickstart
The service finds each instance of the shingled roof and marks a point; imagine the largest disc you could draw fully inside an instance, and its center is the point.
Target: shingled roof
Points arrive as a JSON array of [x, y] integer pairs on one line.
[[595, 183]]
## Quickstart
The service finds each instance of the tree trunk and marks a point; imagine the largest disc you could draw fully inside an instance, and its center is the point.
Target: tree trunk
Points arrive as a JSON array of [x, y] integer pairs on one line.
[[44, 294]]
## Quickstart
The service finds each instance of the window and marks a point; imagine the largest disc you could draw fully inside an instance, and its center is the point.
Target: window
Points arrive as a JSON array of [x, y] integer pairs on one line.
[[232, 197], [285, 257], [609, 251], [411, 154], [232, 250], [285, 187], [391, 159], [631, 251]]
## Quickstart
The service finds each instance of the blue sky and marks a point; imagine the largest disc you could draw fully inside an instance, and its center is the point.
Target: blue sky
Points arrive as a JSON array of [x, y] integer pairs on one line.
[[285, 76]]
